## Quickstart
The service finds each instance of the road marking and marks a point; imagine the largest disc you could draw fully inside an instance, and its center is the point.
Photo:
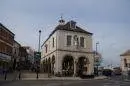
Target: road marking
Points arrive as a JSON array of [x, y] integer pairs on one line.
[[111, 84]]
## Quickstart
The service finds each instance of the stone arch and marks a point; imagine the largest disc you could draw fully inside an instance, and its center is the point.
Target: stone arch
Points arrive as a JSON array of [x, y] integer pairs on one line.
[[46, 67], [82, 65], [43, 65], [53, 59], [49, 65], [68, 65], [53, 63]]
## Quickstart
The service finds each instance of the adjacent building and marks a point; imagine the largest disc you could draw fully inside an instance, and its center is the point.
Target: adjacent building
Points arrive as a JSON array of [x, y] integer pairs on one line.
[[12, 54], [68, 51], [6, 45], [16, 55], [97, 62], [125, 61], [97, 58], [30, 54], [23, 58], [26, 59]]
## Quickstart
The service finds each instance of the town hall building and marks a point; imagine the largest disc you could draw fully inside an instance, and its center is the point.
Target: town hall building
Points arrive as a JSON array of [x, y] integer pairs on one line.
[[68, 51]]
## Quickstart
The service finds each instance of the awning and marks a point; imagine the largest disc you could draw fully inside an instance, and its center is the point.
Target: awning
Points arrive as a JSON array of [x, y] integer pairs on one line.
[[5, 57]]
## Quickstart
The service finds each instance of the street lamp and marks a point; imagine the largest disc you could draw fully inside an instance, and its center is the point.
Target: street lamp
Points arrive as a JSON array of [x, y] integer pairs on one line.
[[38, 60], [39, 40], [96, 55]]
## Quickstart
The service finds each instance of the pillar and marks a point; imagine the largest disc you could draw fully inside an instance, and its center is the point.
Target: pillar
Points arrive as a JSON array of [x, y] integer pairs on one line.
[[75, 64]]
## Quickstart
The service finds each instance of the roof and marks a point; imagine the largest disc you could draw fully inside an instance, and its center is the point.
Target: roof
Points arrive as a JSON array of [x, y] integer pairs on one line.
[[6, 29], [67, 27], [127, 53], [17, 42]]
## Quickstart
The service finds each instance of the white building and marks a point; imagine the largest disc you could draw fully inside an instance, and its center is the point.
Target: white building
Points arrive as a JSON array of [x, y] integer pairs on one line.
[[125, 62], [68, 51]]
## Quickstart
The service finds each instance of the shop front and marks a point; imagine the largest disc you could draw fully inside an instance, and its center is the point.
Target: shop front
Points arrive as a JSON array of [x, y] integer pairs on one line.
[[4, 62]]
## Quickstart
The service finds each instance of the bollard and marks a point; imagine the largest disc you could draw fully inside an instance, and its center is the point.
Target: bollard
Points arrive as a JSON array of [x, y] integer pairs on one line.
[[5, 75], [37, 74], [19, 75]]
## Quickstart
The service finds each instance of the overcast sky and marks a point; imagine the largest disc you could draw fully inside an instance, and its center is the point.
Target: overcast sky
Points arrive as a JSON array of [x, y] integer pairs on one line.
[[109, 20]]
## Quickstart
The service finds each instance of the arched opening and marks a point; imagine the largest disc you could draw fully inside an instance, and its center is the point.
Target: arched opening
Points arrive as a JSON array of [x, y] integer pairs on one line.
[[53, 63], [68, 66], [82, 66], [49, 65], [125, 62], [43, 65], [46, 67]]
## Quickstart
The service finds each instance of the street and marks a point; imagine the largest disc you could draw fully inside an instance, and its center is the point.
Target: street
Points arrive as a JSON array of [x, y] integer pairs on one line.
[[29, 79], [92, 82]]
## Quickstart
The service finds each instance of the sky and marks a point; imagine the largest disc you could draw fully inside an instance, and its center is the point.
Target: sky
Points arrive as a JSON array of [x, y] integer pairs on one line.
[[108, 20]]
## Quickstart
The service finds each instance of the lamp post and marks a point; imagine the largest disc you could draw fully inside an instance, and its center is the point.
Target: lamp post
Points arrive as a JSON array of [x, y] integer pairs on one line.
[[38, 60], [96, 55], [39, 40]]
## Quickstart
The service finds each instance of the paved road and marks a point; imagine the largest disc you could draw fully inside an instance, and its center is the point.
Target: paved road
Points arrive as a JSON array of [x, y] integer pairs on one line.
[[24, 75], [65, 83], [114, 81], [9, 76]]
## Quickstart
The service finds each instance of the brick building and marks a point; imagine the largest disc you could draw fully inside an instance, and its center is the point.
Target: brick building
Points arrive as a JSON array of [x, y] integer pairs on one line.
[[6, 45], [16, 52]]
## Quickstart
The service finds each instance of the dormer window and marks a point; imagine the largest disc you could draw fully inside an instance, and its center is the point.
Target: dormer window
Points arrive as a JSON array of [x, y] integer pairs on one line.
[[72, 24]]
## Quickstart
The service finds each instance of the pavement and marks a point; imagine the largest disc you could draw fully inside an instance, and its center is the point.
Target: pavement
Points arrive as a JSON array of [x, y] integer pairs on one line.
[[9, 76], [29, 79], [41, 76], [101, 77], [65, 83]]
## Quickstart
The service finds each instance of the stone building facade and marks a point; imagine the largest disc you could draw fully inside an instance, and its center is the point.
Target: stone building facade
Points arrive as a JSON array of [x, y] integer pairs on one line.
[[68, 51]]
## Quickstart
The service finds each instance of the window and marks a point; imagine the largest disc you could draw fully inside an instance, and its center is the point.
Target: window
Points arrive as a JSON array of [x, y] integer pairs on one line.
[[125, 63], [76, 40], [128, 65], [53, 43], [69, 40], [46, 48], [82, 41], [0, 32]]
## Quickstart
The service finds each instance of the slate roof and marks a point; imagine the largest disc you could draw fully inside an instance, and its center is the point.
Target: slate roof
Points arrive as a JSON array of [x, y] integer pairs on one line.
[[127, 53], [1, 25], [67, 27]]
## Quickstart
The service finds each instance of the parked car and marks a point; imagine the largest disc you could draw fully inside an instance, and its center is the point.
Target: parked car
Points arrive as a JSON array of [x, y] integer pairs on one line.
[[107, 72], [117, 71]]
